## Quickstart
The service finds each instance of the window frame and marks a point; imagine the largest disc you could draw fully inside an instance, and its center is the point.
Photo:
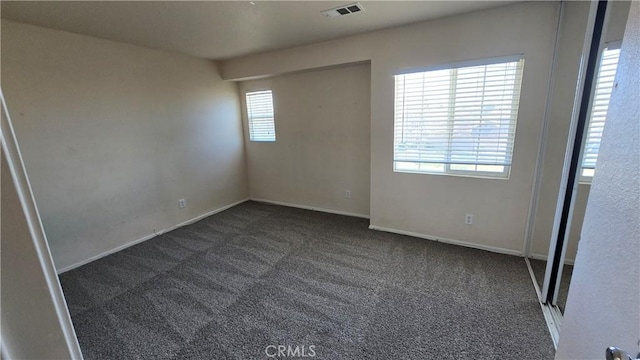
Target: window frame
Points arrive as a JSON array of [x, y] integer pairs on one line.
[[503, 175], [447, 171], [249, 117]]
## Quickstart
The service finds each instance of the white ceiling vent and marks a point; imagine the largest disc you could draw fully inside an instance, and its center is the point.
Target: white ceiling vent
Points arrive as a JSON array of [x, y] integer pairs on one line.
[[344, 10]]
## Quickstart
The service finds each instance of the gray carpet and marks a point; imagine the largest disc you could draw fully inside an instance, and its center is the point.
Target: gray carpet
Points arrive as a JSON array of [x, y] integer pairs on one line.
[[258, 275], [540, 266]]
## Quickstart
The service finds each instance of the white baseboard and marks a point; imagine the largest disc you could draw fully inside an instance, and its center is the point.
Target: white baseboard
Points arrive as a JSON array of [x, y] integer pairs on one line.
[[544, 258], [307, 207], [148, 237], [448, 241], [314, 208], [108, 252]]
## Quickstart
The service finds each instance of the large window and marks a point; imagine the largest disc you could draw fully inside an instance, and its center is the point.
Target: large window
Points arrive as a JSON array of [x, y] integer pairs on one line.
[[599, 108], [260, 115], [458, 120]]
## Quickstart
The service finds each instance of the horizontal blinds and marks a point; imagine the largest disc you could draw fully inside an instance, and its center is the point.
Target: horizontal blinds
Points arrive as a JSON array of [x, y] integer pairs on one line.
[[465, 115], [599, 107], [260, 114]]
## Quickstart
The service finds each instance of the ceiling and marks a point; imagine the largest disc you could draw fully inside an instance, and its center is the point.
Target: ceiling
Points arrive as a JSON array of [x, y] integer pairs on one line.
[[226, 29]]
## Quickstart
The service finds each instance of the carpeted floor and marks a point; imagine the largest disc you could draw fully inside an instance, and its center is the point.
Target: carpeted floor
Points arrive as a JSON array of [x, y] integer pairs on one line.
[[256, 275], [540, 266]]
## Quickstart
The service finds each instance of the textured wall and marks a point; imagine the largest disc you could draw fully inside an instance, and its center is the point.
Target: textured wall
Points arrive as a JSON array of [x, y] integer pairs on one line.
[[603, 308], [323, 140], [113, 135]]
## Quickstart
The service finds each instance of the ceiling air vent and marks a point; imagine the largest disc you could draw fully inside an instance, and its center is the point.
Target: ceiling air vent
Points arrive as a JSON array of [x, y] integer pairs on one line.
[[344, 10]]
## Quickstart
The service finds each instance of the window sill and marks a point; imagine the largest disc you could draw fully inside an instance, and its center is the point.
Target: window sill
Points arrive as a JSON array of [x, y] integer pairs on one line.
[[463, 175]]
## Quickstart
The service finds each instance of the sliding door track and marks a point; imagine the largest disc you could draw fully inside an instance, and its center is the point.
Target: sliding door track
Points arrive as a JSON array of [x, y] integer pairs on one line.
[[552, 313]]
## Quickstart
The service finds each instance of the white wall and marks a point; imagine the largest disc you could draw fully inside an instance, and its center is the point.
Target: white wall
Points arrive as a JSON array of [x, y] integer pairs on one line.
[[603, 307], [432, 204], [436, 205], [323, 140], [113, 135], [27, 308]]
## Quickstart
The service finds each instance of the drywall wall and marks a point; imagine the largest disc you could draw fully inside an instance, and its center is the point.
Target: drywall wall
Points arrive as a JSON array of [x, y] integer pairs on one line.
[[322, 140], [435, 205], [569, 52], [112, 135], [352, 49], [603, 307], [30, 328]]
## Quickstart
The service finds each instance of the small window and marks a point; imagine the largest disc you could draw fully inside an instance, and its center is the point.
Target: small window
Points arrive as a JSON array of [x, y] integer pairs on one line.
[[260, 114], [458, 120], [599, 108]]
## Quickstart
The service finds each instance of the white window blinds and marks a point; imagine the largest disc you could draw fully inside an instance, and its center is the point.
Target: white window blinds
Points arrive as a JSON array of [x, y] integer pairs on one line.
[[599, 107], [260, 114], [457, 120]]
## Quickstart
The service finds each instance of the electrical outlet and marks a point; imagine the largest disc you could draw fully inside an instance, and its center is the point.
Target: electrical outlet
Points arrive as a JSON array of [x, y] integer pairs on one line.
[[182, 203], [347, 194], [468, 219]]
